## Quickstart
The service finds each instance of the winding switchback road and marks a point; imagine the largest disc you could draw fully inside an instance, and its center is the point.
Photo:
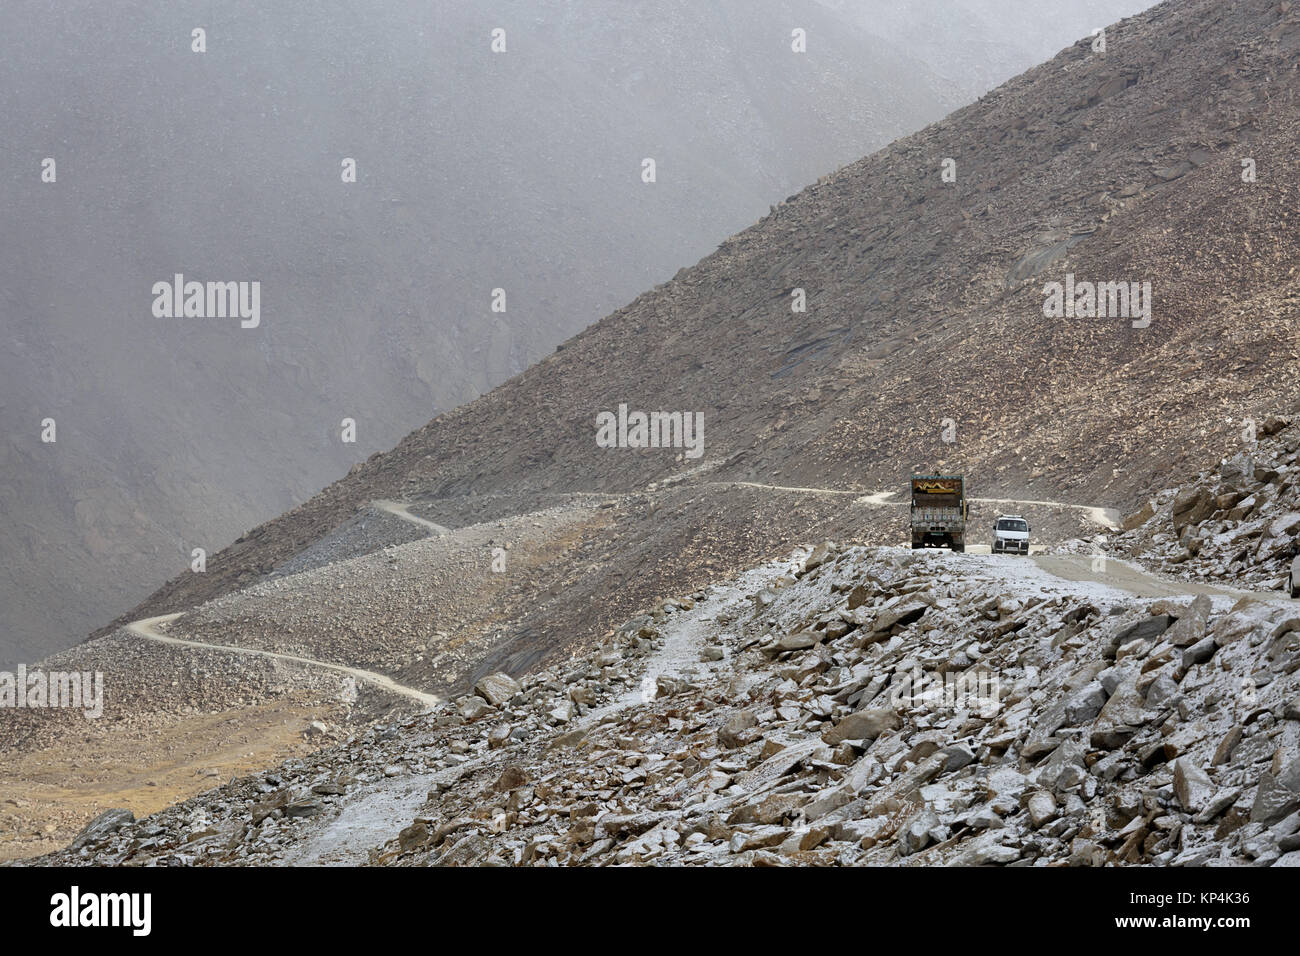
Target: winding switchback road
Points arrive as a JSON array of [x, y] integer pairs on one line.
[[148, 629]]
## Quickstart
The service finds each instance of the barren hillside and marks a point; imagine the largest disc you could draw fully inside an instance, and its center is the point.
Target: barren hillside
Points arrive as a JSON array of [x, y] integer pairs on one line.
[[925, 302]]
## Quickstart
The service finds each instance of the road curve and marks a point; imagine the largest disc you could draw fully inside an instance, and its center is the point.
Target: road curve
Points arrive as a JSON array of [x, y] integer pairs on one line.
[[399, 510], [148, 629], [806, 491], [1106, 517], [1145, 584], [1059, 565]]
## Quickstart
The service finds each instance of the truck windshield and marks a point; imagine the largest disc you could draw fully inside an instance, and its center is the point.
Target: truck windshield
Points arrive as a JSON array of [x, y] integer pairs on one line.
[[1012, 524], [935, 501]]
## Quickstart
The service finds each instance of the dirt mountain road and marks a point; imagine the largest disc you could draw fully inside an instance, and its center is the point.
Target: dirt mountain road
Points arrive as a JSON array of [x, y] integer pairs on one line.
[[148, 629], [1135, 580]]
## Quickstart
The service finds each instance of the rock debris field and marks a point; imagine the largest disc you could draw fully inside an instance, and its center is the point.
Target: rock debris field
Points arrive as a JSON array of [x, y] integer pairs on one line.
[[848, 706]]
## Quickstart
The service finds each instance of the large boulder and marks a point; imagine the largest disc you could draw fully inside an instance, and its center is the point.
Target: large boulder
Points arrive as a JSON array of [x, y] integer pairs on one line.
[[1190, 627], [471, 706], [901, 611], [920, 831], [798, 641], [819, 556], [859, 596], [863, 725], [1191, 506], [1277, 796], [103, 826], [1065, 769], [269, 805], [735, 731], [1042, 808], [1272, 425], [1147, 629], [497, 689], [1237, 471], [1139, 517], [1285, 526], [1083, 705], [1192, 785], [1124, 713]]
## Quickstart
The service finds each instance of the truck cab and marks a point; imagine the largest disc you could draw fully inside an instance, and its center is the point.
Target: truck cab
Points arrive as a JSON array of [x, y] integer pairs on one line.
[[1011, 535]]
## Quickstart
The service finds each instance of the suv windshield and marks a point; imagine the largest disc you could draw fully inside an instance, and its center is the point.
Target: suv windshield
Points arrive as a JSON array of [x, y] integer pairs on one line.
[[1012, 524]]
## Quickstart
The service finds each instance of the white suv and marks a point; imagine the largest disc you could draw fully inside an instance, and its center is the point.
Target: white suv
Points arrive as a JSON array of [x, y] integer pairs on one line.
[[1011, 535]]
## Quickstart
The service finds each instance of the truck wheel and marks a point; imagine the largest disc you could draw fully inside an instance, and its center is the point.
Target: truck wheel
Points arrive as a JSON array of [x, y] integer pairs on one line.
[[959, 548]]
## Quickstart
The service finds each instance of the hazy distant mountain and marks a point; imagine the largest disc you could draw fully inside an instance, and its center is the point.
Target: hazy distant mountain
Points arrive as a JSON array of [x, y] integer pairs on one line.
[[977, 44], [475, 171]]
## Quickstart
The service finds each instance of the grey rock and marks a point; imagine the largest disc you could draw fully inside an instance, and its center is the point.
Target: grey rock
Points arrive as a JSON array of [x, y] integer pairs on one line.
[[1084, 704], [986, 852], [1042, 808], [985, 818], [471, 706], [1192, 785], [1217, 804], [1200, 652], [918, 832], [730, 735], [497, 689], [1190, 628], [798, 641], [907, 610], [102, 827], [306, 807], [959, 755], [1064, 769], [1147, 629], [1160, 690], [1277, 796], [1122, 715], [863, 725]]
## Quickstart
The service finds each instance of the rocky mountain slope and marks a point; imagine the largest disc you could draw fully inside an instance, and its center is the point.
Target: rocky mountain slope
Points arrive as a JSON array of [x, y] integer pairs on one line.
[[925, 343], [1240, 521], [475, 171], [847, 706]]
